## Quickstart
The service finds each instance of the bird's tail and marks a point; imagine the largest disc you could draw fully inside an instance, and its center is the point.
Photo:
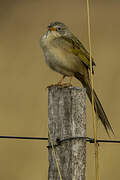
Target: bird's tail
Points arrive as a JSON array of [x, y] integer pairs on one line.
[[97, 105]]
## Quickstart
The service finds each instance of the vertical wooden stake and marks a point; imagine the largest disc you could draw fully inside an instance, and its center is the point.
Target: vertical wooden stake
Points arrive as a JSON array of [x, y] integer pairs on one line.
[[67, 118]]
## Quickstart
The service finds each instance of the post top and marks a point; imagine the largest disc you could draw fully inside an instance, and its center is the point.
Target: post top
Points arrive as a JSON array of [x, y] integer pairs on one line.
[[65, 87]]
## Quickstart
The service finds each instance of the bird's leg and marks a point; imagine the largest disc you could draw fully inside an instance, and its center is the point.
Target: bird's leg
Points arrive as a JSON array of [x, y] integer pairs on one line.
[[68, 84], [71, 77], [60, 83], [61, 80]]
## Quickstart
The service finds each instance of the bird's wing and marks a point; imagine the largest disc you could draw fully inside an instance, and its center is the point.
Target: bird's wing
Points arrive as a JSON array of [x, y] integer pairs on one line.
[[79, 50]]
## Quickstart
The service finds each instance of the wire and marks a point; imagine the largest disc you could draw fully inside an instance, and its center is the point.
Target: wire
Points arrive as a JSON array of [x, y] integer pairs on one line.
[[88, 139], [23, 137], [103, 141]]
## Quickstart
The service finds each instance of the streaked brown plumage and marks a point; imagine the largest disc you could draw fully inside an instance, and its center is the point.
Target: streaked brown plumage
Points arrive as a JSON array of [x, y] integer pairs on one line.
[[65, 54]]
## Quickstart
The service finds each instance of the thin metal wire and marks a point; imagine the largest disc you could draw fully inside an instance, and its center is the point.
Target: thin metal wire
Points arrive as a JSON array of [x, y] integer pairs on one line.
[[103, 141], [23, 137], [88, 139]]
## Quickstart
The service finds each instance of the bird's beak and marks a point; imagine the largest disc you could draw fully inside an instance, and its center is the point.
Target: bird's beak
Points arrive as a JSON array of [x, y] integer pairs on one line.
[[51, 28]]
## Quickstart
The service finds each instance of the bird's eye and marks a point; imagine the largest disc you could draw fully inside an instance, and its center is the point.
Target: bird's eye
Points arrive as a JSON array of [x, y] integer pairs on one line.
[[59, 28]]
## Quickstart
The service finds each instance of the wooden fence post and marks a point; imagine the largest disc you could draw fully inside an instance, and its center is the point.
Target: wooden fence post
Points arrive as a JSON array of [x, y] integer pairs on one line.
[[66, 119]]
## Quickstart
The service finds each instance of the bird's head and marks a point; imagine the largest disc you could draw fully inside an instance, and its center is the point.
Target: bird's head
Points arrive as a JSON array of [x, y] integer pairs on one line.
[[54, 30], [58, 29]]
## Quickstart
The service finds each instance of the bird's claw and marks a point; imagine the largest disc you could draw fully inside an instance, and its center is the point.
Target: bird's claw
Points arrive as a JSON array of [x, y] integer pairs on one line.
[[63, 85]]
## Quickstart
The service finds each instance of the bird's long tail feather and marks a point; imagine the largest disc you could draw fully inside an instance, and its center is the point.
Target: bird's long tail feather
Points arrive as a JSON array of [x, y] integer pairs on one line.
[[97, 105]]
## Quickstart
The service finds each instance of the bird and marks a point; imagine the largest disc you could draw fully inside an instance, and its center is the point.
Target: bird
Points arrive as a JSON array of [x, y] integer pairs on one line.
[[65, 54]]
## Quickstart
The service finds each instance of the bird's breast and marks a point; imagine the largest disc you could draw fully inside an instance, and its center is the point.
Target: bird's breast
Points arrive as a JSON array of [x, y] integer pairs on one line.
[[59, 59]]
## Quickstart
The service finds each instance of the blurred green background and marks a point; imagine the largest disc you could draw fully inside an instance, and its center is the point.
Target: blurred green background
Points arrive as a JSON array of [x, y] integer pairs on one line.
[[24, 77]]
